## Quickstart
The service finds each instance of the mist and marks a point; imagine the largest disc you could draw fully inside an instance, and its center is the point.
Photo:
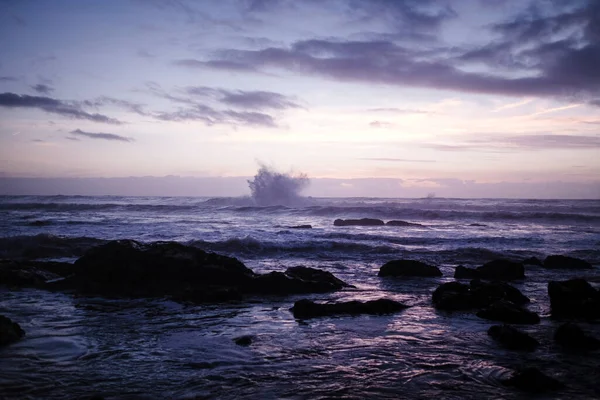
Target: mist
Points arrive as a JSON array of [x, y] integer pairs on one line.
[[269, 187]]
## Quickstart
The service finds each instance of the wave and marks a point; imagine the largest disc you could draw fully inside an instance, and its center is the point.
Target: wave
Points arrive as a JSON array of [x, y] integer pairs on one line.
[[45, 246]]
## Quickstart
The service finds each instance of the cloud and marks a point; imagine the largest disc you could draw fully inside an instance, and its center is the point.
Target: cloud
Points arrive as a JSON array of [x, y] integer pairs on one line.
[[43, 89], [256, 100], [395, 160], [130, 106], [380, 124], [541, 54], [103, 136], [8, 79], [400, 110], [504, 143], [54, 106]]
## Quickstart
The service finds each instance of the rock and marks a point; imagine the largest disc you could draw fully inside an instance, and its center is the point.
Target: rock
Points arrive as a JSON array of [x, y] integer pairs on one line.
[[452, 296], [10, 331], [245, 340], [532, 380], [572, 337], [296, 280], [507, 312], [130, 268], [316, 275], [301, 227], [512, 338], [462, 272], [501, 270], [564, 262], [309, 309], [486, 293], [533, 261], [574, 298], [26, 273], [358, 222], [408, 268], [401, 223]]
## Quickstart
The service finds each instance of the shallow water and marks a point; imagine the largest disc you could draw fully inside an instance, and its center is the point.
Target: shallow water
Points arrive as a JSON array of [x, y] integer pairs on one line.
[[77, 346]]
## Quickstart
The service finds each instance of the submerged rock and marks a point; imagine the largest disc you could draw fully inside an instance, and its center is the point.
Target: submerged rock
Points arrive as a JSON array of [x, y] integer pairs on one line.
[[572, 337], [508, 312], [533, 380], [309, 309], [409, 268], [512, 339], [565, 262], [574, 298], [502, 270], [358, 222], [454, 296], [10, 331]]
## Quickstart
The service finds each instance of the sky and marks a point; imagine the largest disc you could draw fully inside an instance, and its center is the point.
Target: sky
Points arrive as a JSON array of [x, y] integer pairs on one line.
[[482, 98]]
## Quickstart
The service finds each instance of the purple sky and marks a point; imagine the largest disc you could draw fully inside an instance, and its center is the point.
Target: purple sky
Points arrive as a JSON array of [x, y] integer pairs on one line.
[[482, 98]]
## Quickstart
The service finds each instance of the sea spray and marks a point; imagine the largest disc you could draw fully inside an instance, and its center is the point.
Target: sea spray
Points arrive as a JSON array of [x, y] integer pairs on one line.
[[270, 187]]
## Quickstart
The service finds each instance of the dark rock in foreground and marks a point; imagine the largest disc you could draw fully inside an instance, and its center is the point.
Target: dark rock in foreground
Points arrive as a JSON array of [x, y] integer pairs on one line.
[[10, 331], [401, 223], [564, 262], [574, 298], [183, 273], [572, 337], [508, 312], [358, 222], [532, 380], [409, 268], [502, 270], [31, 273], [533, 261], [309, 309], [512, 339], [455, 296]]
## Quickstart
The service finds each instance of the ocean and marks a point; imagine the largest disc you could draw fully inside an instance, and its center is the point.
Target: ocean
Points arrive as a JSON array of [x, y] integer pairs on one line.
[[155, 349]]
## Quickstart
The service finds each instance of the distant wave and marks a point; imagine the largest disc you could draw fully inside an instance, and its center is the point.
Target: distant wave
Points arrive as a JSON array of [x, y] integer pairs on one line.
[[45, 246]]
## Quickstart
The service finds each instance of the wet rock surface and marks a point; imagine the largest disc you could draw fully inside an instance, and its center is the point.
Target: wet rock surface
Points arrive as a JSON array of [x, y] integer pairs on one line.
[[508, 312], [532, 380], [454, 296], [572, 337], [358, 222]]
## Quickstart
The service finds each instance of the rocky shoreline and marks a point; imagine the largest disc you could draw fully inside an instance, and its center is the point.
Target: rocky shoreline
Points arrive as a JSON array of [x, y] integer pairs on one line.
[[127, 268]]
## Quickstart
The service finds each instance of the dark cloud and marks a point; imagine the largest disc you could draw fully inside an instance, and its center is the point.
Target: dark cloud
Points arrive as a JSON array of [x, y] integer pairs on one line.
[[37, 140], [54, 106], [396, 160], [130, 106], [103, 136], [8, 79], [43, 89], [256, 100], [551, 53], [145, 54]]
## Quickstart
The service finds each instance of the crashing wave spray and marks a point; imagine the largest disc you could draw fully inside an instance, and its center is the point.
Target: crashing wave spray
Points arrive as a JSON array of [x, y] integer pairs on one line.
[[270, 188]]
